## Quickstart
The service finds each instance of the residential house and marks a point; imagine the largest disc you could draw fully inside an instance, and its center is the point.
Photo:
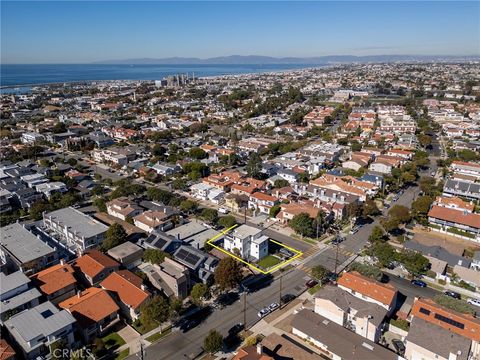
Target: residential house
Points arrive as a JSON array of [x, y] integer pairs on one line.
[[128, 291], [36, 329], [334, 341], [21, 250], [16, 294], [364, 317], [384, 295], [462, 188], [94, 266], [128, 254], [170, 277], [95, 311], [57, 282], [456, 222], [248, 241], [262, 202], [123, 208], [154, 220]]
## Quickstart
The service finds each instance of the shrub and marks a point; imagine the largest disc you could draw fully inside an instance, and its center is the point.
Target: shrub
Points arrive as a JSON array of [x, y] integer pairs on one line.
[[454, 304], [401, 324]]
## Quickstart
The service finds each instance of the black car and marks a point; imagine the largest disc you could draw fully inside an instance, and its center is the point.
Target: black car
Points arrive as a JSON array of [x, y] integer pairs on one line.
[[235, 329], [453, 294], [287, 298], [399, 346]]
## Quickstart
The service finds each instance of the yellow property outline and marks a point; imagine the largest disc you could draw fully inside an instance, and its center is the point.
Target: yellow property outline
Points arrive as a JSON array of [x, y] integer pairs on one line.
[[297, 252]]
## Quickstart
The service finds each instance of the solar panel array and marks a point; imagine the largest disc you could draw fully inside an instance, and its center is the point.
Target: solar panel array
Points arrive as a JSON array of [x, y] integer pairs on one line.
[[187, 257]]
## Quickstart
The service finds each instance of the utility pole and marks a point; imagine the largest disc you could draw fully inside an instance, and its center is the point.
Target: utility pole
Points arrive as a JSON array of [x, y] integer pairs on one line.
[[336, 258], [245, 312], [280, 293]]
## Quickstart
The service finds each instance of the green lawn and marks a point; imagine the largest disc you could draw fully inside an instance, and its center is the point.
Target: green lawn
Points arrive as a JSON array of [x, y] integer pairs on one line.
[[157, 336], [269, 261], [122, 354], [143, 329], [113, 340], [314, 289]]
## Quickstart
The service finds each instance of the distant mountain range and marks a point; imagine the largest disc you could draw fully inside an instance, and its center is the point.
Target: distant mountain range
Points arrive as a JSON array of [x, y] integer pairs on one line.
[[257, 59]]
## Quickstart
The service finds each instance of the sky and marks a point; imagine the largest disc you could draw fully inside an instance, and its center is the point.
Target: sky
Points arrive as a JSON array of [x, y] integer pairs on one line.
[[87, 31]]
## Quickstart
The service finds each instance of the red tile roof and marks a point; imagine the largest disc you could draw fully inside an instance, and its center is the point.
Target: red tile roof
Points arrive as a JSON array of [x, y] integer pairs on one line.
[[93, 262], [127, 286], [455, 216], [90, 306], [383, 293], [54, 278]]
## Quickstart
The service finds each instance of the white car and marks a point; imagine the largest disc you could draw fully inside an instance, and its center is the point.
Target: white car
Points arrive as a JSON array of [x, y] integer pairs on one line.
[[274, 306], [473, 302], [263, 312], [223, 211]]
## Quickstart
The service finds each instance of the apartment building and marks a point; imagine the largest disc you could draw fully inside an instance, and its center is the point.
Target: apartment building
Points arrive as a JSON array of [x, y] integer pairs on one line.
[[74, 228]]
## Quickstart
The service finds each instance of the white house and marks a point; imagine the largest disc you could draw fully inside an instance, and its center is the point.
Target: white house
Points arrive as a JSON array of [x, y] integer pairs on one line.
[[249, 241]]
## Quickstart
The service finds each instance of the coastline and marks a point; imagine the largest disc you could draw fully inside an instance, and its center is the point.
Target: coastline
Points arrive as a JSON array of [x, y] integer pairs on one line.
[[179, 70]]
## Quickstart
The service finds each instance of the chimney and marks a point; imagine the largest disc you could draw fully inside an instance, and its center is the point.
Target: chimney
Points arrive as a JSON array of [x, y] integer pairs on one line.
[[143, 287], [259, 349], [79, 294], [62, 262]]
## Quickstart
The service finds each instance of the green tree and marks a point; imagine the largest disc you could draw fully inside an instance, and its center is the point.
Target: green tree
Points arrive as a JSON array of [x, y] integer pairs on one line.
[[154, 256], [99, 202], [370, 208], [377, 235], [367, 270], [37, 209], [279, 183], [188, 206], [209, 215], [420, 208], [198, 292], [384, 252], [227, 221], [213, 342], [415, 263], [155, 311], [274, 210], [114, 236], [302, 224], [197, 153], [400, 212], [228, 273], [390, 225], [254, 166], [320, 273]]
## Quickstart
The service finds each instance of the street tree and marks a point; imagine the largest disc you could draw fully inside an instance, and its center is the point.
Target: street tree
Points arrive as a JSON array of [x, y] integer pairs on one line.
[[228, 273], [302, 224], [198, 292], [155, 311], [213, 342]]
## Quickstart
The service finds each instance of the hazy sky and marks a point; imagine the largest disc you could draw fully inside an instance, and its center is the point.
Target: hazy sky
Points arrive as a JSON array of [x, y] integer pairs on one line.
[[80, 32]]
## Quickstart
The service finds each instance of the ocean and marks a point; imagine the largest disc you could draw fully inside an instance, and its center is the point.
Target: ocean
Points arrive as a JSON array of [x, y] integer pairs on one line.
[[20, 75]]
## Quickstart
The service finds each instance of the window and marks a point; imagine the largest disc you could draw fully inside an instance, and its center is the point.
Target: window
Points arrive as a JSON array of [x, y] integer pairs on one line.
[[424, 311], [450, 321]]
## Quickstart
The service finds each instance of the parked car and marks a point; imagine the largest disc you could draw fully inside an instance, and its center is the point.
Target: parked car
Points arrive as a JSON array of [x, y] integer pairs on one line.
[[354, 231], [311, 283], [263, 312], [419, 283], [399, 346], [274, 306], [286, 252], [235, 329], [287, 298], [474, 302], [337, 240], [453, 294], [223, 211]]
